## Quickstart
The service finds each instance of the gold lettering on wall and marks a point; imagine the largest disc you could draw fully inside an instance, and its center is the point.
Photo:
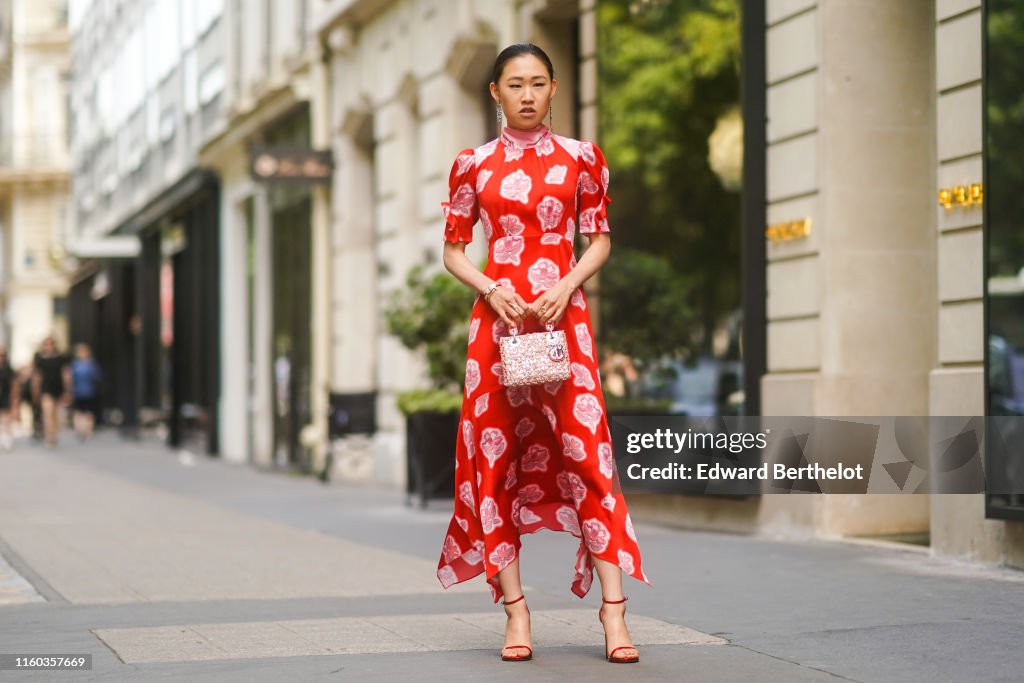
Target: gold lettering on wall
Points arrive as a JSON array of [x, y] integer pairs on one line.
[[961, 195], [789, 230]]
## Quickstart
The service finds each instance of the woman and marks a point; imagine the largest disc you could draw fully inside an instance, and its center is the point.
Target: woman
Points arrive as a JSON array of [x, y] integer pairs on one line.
[[50, 385], [534, 457]]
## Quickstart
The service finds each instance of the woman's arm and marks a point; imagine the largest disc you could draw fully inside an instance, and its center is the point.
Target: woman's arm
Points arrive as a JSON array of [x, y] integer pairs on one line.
[[509, 306], [555, 300]]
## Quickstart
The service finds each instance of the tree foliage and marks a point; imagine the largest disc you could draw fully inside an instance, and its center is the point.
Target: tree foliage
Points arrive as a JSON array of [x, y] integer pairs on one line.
[[667, 76]]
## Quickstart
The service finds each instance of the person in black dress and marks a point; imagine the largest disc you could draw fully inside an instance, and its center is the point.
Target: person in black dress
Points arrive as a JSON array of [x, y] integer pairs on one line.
[[51, 383]]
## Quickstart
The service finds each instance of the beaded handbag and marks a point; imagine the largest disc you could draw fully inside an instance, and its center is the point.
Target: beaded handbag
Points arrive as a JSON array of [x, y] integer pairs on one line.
[[534, 358]]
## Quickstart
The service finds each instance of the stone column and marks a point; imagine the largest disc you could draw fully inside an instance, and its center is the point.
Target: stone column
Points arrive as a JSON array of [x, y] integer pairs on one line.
[[851, 307]]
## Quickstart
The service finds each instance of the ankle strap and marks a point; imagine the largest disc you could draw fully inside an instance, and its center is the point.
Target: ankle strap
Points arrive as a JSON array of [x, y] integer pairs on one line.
[[510, 602], [614, 602]]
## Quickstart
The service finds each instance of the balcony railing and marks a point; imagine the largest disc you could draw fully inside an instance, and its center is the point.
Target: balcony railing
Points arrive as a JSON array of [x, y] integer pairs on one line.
[[33, 151]]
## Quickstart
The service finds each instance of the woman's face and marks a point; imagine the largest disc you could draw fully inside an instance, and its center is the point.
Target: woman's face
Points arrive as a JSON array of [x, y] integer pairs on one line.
[[524, 91]]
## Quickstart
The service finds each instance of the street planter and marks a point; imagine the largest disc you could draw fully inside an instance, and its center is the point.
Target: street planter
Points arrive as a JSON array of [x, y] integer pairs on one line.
[[430, 439]]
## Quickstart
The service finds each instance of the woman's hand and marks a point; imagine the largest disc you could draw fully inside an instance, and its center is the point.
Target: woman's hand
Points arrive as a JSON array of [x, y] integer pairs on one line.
[[509, 306], [550, 305]]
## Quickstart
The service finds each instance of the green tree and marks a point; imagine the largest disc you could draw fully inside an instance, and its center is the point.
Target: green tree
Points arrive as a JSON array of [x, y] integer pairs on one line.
[[669, 73]]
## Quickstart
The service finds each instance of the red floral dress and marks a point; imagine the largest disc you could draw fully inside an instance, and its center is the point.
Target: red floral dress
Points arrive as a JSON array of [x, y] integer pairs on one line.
[[532, 457]]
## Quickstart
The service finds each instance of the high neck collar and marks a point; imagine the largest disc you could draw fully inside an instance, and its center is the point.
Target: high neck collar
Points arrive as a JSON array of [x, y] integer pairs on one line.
[[525, 138]]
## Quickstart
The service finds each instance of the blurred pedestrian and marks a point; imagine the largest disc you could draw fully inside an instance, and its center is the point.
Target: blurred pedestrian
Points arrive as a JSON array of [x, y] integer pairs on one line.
[[85, 390], [8, 399], [51, 382], [29, 403]]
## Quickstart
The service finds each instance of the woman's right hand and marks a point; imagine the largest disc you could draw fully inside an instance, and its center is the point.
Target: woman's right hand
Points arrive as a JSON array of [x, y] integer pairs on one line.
[[509, 306]]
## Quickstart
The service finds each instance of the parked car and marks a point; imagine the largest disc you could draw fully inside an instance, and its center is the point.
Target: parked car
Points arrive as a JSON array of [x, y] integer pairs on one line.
[[707, 387]]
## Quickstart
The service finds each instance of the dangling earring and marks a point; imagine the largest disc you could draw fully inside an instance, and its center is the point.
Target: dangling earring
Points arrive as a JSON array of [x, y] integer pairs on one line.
[[551, 112], [497, 108]]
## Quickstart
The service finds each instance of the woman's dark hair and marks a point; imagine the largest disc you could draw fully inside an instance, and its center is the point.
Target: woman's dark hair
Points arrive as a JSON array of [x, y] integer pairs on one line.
[[517, 50]]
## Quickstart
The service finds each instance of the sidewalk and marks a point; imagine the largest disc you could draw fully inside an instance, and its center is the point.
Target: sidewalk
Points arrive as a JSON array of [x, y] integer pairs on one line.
[[220, 572]]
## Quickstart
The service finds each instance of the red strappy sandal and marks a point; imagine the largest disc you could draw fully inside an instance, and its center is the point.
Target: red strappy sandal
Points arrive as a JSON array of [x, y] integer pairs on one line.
[[516, 658], [629, 659]]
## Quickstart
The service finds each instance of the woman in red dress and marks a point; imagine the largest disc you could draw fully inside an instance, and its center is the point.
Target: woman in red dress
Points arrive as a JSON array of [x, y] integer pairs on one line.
[[540, 456]]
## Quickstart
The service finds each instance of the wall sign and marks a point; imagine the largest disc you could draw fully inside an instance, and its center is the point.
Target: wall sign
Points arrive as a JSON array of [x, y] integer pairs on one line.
[[961, 195], [290, 165], [790, 230]]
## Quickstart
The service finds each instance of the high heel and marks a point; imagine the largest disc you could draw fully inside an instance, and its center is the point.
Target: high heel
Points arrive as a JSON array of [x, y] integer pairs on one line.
[[516, 658], [610, 656]]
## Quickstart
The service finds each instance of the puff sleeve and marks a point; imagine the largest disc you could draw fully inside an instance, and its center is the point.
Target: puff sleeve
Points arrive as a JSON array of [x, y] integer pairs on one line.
[[592, 189], [462, 209]]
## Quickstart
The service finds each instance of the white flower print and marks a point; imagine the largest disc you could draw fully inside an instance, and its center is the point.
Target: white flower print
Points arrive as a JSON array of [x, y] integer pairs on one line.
[[577, 490], [545, 147], [564, 486], [446, 575], [556, 175], [486, 150], [569, 520], [530, 493], [472, 557], [629, 528], [587, 220], [553, 387], [506, 283], [528, 517], [513, 153], [485, 220], [577, 299], [581, 376], [474, 325], [517, 396], [626, 562], [472, 376], [464, 161], [450, 549], [586, 580], [606, 459], [587, 184], [516, 187], [572, 261], [549, 211], [587, 152], [604, 178], [481, 405], [481, 180], [550, 415], [524, 427], [602, 225], [512, 225], [535, 459], [462, 202], [516, 505], [469, 438], [551, 238], [596, 535], [543, 275], [479, 476], [588, 411], [570, 232], [498, 330], [489, 517], [583, 339], [508, 250], [493, 444], [462, 523], [608, 501], [466, 496], [573, 447], [499, 370], [510, 476], [502, 555]]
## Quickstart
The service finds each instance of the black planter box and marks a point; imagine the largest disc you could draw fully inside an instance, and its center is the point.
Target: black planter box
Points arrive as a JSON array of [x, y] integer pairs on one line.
[[430, 448]]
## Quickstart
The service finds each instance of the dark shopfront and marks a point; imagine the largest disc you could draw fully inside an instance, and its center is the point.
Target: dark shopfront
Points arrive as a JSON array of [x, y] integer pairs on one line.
[[154, 319]]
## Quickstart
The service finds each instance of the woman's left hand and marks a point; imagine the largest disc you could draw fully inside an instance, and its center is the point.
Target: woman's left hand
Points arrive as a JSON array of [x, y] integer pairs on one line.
[[550, 305]]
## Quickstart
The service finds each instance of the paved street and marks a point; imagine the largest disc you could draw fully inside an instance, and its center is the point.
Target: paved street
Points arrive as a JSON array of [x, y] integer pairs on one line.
[[207, 571]]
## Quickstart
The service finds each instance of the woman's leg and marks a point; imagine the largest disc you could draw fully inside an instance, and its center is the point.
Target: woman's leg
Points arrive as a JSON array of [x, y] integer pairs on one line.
[[50, 419], [6, 438], [517, 630], [614, 619]]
